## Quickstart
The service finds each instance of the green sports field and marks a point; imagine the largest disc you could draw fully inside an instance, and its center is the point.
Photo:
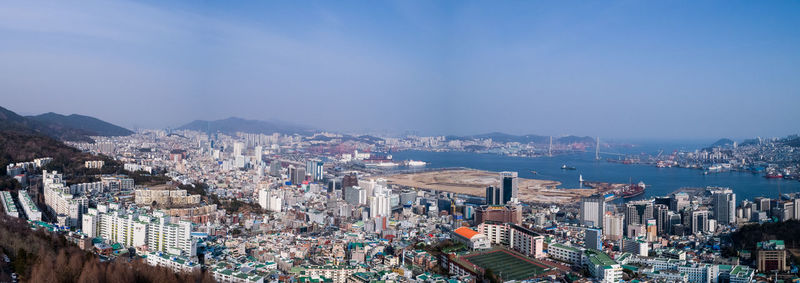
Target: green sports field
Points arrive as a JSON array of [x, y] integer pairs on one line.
[[506, 265]]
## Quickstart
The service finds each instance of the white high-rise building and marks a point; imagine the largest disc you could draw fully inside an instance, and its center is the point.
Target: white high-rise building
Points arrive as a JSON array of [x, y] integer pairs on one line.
[[31, 210], [270, 200], [238, 149], [126, 229], [60, 202], [135, 230], [171, 238], [613, 226], [592, 211], [380, 202], [258, 152]]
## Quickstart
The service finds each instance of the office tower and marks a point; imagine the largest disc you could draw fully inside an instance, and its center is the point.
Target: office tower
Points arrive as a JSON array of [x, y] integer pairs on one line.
[[297, 175], [592, 210], [275, 168], [355, 195], [494, 196], [315, 168], [613, 226], [408, 197], [238, 148], [637, 212], [763, 204], [787, 210], [699, 221], [651, 230], [510, 190], [593, 239], [679, 201], [796, 203], [350, 180], [724, 202], [674, 220], [290, 172], [662, 214]]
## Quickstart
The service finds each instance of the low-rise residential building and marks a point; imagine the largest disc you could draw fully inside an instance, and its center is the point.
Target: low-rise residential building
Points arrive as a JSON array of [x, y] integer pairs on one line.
[[175, 262]]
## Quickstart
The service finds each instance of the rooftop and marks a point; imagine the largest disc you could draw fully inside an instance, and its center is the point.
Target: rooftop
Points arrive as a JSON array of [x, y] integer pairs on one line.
[[465, 232]]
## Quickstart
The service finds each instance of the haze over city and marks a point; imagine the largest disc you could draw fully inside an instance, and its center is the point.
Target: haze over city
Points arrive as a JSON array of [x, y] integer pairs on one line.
[[621, 70]]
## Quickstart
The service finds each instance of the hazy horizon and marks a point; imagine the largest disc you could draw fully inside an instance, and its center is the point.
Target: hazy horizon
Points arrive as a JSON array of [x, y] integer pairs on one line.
[[622, 70]]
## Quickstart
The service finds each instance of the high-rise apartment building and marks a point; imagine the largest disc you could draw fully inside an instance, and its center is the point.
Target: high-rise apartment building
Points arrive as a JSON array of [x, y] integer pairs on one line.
[[592, 210]]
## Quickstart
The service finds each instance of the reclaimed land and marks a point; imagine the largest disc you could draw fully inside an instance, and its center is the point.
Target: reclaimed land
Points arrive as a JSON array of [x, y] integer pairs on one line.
[[474, 182]]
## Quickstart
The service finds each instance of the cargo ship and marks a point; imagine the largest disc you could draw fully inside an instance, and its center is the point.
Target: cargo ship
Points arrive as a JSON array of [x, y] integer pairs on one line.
[[632, 190], [415, 163], [773, 175]]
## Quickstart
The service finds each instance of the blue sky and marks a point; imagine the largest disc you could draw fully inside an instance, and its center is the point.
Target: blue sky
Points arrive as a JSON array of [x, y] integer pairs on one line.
[[622, 69]]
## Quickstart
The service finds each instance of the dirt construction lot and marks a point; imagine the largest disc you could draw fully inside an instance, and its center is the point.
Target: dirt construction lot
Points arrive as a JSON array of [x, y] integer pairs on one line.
[[474, 182]]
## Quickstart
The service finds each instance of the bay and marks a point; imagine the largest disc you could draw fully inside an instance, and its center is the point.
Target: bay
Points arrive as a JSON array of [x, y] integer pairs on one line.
[[659, 181]]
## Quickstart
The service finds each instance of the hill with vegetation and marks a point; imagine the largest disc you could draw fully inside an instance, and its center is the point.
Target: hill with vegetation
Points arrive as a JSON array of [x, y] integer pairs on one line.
[[41, 256], [91, 125], [70, 128]]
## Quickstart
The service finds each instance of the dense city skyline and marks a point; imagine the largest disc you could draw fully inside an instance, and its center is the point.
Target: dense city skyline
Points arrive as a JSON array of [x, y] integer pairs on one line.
[[647, 70]]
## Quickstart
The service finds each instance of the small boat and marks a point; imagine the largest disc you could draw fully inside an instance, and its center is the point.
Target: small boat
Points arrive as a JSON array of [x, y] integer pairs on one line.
[[565, 167], [534, 172]]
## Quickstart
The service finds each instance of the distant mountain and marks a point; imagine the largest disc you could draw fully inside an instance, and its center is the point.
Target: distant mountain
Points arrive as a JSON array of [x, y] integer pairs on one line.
[[71, 128], [10, 121], [232, 125], [503, 137], [723, 143], [91, 125]]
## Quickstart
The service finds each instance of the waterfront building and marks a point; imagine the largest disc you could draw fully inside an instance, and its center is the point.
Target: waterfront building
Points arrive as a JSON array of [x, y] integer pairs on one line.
[[494, 195], [510, 186], [724, 205], [679, 201], [638, 212]]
